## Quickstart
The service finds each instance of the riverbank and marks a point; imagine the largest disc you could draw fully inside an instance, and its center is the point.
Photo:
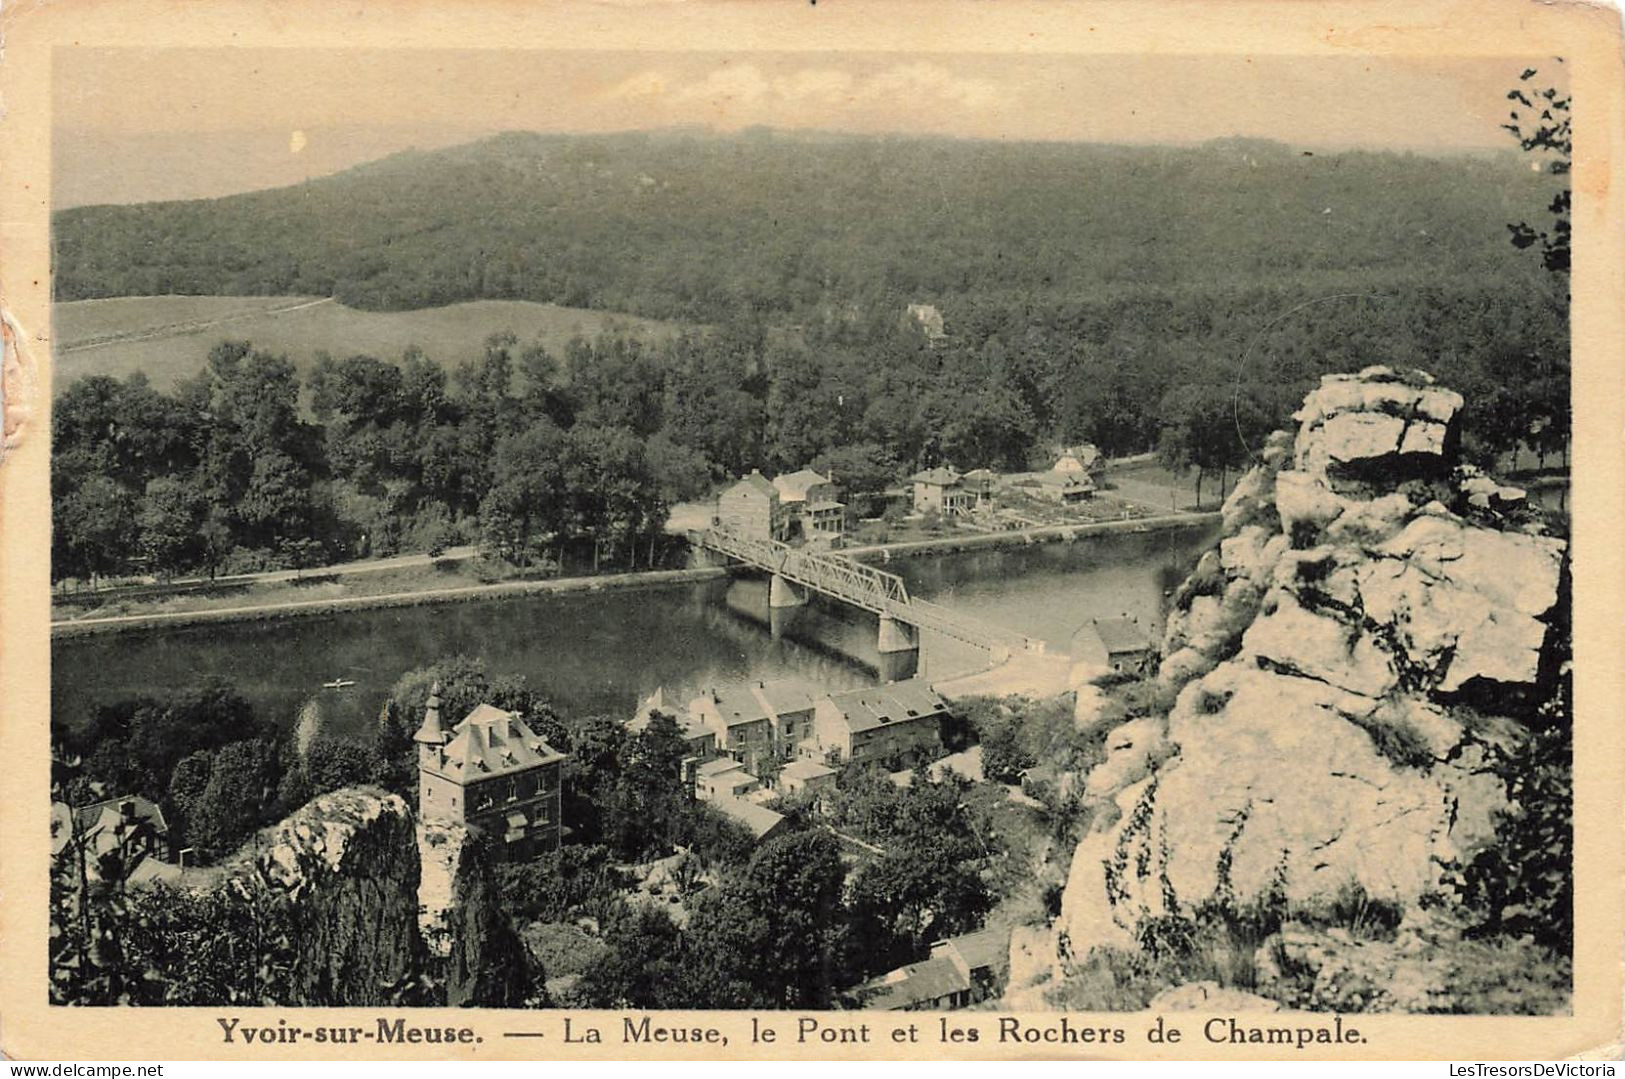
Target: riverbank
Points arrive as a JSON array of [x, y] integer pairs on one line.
[[971, 541], [414, 598], [443, 582]]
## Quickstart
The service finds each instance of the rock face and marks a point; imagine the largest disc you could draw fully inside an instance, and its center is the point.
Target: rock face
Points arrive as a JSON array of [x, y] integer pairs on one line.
[[1336, 666], [376, 900], [348, 861], [463, 925]]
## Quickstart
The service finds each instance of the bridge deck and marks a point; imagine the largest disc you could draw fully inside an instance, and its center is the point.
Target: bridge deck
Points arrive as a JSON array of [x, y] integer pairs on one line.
[[863, 586]]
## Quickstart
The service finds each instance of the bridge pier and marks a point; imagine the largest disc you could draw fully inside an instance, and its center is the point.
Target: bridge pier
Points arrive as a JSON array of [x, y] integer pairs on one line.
[[899, 647], [784, 599]]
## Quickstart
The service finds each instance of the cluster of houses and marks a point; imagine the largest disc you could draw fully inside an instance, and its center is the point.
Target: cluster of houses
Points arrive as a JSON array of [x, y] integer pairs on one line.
[[800, 504], [945, 491], [127, 835], [752, 741], [805, 505]]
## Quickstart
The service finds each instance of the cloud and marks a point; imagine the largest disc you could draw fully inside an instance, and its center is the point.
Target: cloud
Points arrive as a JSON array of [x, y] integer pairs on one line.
[[928, 83], [727, 87], [744, 93], [645, 84]]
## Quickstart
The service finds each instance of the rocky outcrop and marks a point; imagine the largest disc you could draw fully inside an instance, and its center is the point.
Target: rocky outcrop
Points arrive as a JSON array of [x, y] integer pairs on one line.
[[482, 958], [347, 864], [1374, 618], [379, 909]]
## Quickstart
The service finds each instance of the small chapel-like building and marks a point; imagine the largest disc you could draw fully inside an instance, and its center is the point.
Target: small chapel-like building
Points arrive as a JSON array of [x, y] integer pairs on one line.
[[493, 772]]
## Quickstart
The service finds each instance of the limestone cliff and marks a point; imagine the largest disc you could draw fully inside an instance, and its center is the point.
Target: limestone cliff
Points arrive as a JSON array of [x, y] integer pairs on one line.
[[481, 956], [360, 882], [1374, 618]]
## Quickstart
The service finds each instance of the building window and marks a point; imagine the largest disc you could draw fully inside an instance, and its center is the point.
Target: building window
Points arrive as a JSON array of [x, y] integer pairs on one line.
[[513, 790]]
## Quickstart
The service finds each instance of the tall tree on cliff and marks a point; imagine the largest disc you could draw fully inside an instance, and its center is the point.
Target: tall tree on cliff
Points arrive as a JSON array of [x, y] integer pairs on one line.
[[1540, 121]]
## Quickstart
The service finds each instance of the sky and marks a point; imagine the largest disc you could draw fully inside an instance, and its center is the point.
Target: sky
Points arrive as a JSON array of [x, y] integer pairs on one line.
[[135, 125]]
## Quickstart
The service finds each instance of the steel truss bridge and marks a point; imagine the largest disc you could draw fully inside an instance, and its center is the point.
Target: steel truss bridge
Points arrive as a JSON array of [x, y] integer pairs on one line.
[[864, 586]]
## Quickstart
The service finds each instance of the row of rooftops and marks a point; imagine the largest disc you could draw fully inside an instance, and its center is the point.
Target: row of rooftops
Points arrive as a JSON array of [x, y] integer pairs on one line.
[[739, 703], [792, 487], [966, 966], [1073, 469]]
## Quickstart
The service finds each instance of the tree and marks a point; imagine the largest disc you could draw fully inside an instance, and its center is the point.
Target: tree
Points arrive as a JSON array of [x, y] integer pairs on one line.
[[773, 937], [1004, 760], [239, 797], [643, 967], [92, 529], [332, 763], [1542, 125], [169, 520], [527, 506]]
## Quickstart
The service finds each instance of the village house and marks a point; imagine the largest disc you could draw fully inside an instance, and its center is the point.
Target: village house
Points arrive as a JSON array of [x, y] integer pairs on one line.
[[810, 502], [1118, 644], [754, 720], [129, 831], [940, 490], [491, 772], [1084, 459], [1064, 486], [960, 972], [806, 776], [762, 822], [900, 721], [722, 777], [979, 484], [752, 508], [702, 740]]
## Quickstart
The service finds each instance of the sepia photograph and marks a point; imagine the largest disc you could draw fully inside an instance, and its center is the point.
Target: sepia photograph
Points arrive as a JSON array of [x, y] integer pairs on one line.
[[1015, 535]]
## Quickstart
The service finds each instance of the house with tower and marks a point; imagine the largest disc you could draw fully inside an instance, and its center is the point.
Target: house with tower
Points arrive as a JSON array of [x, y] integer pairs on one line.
[[493, 772]]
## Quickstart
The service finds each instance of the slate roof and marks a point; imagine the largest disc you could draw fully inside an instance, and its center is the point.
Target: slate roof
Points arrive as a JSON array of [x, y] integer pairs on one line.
[[690, 727], [937, 477], [1121, 635], [981, 950], [490, 742], [1087, 454], [735, 704], [719, 766], [794, 486], [917, 983], [759, 819], [784, 695], [878, 706], [103, 819], [804, 770], [756, 482]]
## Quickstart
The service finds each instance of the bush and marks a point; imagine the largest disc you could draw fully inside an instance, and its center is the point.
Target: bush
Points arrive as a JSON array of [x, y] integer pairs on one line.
[[1524, 884]]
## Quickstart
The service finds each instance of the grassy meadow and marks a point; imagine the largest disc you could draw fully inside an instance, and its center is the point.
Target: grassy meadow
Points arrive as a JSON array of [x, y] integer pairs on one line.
[[169, 337]]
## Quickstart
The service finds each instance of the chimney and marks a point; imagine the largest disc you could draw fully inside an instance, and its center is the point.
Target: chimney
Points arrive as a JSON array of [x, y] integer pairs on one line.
[[126, 809]]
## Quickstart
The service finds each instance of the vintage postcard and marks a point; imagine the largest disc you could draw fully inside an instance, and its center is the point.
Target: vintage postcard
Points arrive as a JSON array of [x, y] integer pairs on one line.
[[811, 530]]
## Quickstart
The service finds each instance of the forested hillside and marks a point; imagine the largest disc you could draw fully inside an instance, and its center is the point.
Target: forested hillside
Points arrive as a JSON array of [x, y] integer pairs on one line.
[[1149, 298], [700, 228]]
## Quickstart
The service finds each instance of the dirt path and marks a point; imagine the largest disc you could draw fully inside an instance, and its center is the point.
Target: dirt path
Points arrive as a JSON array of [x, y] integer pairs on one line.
[[178, 329]]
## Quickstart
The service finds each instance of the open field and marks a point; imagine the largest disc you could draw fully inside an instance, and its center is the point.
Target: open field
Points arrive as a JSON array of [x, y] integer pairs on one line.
[[169, 337]]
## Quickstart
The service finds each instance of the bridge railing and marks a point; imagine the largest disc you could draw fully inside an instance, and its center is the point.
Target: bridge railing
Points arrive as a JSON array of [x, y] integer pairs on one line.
[[863, 586]]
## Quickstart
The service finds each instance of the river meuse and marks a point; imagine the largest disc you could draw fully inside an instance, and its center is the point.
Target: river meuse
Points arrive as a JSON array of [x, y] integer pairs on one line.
[[601, 653]]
